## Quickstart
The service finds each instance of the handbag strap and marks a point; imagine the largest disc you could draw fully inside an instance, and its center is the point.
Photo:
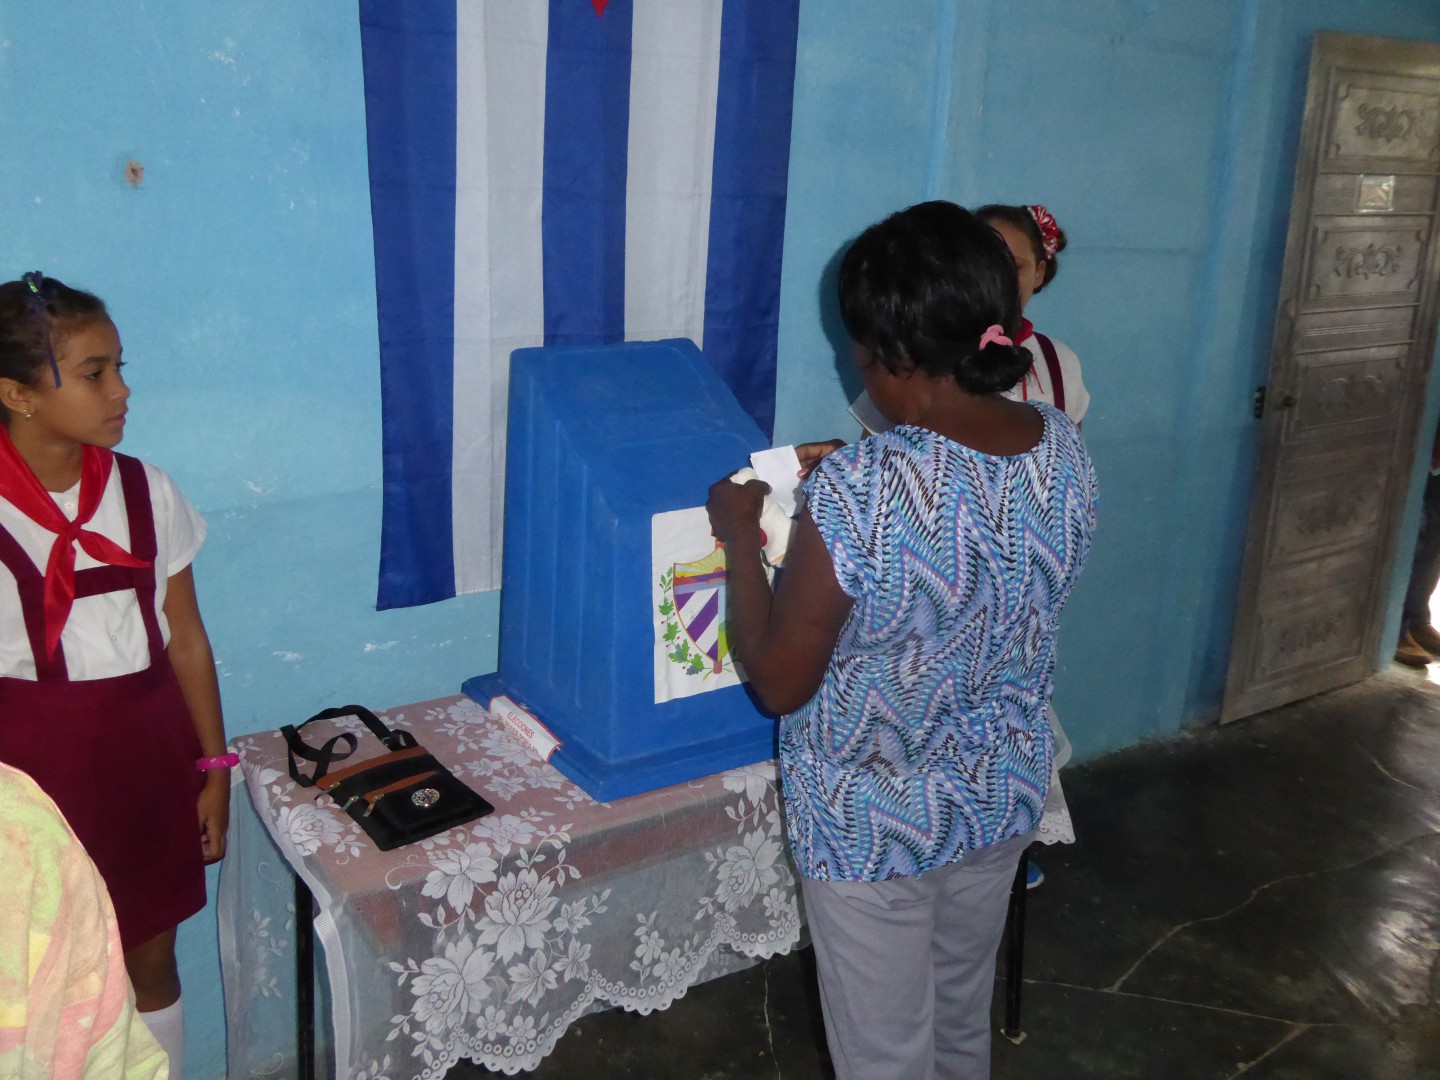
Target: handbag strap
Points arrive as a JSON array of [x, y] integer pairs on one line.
[[326, 755]]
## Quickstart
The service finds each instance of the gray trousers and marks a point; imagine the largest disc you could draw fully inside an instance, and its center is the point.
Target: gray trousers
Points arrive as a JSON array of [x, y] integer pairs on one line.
[[907, 967]]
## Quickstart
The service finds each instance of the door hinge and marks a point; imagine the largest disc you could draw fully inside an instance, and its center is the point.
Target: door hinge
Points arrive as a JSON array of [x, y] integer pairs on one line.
[[1259, 402]]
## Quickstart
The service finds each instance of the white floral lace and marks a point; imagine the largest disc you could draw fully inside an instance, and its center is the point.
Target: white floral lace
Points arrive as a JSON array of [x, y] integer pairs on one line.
[[488, 941], [1055, 824]]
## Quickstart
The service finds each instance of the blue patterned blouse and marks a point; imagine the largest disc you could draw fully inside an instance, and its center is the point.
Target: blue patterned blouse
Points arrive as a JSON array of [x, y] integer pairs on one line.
[[927, 737]]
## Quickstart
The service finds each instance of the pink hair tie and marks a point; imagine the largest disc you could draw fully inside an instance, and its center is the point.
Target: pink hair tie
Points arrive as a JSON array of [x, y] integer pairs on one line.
[[996, 333]]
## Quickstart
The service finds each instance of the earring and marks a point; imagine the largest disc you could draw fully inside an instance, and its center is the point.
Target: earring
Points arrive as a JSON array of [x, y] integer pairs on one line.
[[29, 415]]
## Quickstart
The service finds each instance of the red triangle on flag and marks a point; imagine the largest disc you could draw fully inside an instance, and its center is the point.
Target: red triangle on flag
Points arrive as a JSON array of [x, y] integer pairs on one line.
[[599, 6]]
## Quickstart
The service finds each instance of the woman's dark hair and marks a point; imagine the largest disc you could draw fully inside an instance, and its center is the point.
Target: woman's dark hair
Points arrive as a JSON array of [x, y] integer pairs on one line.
[[31, 326], [922, 286], [1020, 218]]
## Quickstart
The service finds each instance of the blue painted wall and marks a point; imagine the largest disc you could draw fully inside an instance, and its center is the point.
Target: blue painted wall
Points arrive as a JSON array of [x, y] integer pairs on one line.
[[1161, 132], [240, 275], [1163, 136]]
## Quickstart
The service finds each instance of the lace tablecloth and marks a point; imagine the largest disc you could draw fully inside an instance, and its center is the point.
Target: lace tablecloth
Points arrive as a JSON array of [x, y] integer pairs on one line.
[[488, 941]]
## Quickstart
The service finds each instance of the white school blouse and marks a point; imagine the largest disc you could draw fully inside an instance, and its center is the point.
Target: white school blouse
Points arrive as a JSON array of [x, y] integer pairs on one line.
[[1034, 387], [105, 635], [1036, 384]]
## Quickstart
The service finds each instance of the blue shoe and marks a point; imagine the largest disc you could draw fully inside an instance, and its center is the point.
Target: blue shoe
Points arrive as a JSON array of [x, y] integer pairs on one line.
[[1034, 876]]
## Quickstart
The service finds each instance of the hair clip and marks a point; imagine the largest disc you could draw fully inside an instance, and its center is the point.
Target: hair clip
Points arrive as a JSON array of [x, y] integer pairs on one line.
[[1049, 229], [34, 279], [996, 333]]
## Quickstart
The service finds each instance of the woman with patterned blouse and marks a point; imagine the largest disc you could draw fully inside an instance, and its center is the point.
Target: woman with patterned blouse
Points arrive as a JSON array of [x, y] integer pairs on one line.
[[910, 645]]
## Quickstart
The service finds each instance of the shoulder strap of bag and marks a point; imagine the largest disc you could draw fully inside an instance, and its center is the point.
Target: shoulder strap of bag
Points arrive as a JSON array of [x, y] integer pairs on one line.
[[327, 754], [1052, 364]]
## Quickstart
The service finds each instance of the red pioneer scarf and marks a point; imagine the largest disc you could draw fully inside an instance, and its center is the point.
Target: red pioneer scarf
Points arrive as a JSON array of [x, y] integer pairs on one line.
[[19, 485], [1027, 331]]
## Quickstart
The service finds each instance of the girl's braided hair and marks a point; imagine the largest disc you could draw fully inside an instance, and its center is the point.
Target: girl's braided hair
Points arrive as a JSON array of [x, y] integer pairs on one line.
[[35, 314]]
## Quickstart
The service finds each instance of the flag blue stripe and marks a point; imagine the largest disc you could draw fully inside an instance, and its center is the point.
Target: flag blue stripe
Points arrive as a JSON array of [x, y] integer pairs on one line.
[[587, 128], [409, 61], [747, 210]]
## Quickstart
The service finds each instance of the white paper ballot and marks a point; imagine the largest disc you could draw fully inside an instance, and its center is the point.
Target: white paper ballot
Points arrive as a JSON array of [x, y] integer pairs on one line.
[[776, 526], [780, 468]]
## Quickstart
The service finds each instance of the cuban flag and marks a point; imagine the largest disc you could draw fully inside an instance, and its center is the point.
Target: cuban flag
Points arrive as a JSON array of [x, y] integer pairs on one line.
[[558, 172]]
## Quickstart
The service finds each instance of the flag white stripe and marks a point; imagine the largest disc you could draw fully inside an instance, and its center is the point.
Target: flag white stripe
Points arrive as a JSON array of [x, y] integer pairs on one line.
[[499, 294], [674, 79], [694, 604]]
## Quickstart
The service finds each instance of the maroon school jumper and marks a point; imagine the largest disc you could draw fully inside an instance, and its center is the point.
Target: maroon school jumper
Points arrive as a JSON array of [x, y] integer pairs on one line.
[[117, 755], [1052, 363]]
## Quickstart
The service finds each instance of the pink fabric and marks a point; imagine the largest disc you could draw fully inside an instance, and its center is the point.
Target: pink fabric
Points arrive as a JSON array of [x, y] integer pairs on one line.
[[996, 333], [66, 1009]]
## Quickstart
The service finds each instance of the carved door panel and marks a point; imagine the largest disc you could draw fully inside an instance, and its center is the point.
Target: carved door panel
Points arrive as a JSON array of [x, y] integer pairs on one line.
[[1353, 342]]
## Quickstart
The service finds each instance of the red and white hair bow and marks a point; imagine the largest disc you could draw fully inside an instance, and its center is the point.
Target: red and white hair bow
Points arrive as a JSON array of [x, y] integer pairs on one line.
[[1049, 229]]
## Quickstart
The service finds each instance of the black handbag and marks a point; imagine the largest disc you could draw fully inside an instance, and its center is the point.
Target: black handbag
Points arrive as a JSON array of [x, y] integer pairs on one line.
[[397, 798]]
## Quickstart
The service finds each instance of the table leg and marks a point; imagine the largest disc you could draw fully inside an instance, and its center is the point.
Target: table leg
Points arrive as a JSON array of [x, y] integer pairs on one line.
[[1015, 955], [304, 979]]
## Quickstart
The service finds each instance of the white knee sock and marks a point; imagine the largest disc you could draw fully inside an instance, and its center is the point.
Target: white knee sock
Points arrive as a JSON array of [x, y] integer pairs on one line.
[[168, 1027]]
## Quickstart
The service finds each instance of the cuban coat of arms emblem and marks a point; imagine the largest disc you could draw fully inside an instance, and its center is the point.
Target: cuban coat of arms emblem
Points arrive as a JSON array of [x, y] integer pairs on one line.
[[692, 651]]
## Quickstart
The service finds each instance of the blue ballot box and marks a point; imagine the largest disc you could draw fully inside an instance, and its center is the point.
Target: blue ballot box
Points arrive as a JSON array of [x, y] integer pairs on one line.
[[601, 439]]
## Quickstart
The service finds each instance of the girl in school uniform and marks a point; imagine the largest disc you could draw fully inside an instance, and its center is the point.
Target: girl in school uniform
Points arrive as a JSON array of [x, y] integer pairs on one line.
[[1035, 240], [108, 692]]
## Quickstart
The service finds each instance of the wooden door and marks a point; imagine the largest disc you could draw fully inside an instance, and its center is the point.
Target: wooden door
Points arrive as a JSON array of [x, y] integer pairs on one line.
[[1353, 341]]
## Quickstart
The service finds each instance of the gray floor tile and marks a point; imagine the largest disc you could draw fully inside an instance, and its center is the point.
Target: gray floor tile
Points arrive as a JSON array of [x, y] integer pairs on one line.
[[1260, 901]]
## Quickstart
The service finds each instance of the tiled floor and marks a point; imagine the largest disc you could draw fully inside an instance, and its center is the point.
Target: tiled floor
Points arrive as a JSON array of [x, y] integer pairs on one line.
[[1258, 901]]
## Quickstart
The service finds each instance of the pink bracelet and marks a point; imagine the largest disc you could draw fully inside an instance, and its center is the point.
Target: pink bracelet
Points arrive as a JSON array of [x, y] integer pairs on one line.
[[224, 761]]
